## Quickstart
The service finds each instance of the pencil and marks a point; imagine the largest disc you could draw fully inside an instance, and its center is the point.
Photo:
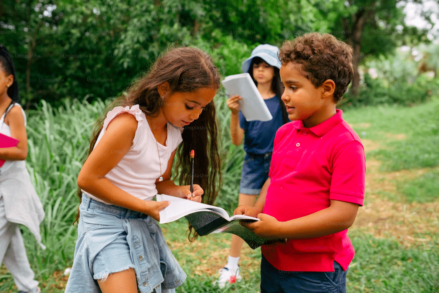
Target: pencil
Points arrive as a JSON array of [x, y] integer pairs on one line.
[[192, 172]]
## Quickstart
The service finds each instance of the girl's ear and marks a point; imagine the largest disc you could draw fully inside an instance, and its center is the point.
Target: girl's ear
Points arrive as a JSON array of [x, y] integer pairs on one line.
[[10, 79], [328, 87], [163, 89]]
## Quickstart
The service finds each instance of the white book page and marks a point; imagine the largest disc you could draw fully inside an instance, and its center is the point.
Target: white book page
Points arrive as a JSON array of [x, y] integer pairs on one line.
[[252, 104], [180, 207], [243, 217]]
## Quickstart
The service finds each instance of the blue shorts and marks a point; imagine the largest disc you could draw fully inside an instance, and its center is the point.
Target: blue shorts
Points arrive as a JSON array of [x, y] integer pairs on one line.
[[254, 173], [274, 280]]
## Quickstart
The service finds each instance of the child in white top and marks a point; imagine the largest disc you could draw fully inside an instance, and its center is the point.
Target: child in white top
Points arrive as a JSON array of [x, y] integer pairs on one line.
[[169, 110], [19, 203]]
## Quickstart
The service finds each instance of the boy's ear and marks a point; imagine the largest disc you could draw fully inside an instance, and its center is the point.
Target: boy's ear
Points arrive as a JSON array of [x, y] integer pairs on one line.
[[328, 87], [163, 89]]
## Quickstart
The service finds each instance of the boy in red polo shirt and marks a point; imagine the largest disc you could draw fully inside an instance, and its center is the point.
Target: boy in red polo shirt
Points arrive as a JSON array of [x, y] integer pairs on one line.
[[317, 174]]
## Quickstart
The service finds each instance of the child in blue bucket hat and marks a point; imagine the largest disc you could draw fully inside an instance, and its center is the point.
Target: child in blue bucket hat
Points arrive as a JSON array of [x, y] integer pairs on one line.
[[263, 66]]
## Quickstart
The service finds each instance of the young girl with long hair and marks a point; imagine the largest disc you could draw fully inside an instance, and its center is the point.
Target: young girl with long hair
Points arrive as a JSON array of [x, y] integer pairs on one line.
[[170, 110], [19, 203], [263, 66]]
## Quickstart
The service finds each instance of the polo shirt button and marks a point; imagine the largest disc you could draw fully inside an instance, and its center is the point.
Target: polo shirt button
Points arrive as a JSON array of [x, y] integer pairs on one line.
[[297, 144], [144, 284], [141, 258]]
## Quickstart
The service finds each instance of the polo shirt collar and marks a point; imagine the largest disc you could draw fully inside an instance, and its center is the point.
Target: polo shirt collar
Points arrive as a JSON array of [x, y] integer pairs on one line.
[[324, 127]]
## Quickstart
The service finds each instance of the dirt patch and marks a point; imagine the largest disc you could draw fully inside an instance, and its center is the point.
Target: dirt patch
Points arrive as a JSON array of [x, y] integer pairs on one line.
[[399, 136], [360, 125], [369, 145], [409, 224]]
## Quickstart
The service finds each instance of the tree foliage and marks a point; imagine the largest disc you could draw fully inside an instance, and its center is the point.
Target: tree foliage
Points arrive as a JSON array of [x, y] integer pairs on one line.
[[90, 49]]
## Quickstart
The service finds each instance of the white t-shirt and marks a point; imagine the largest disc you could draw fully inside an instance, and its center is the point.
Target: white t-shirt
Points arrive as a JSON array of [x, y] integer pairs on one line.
[[138, 170]]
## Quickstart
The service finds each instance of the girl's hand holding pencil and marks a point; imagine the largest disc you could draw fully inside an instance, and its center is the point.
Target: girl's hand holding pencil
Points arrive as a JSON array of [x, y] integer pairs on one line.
[[197, 193]]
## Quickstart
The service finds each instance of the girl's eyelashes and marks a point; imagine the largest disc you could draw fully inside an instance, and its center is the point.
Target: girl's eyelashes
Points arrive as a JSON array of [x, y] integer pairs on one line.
[[189, 108], [293, 88]]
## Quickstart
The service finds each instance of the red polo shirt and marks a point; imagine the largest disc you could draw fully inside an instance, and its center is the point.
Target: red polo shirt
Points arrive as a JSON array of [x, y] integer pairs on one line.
[[310, 167]]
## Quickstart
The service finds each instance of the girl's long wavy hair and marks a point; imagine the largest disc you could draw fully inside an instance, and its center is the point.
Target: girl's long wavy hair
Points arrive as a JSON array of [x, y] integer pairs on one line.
[[276, 86], [186, 70]]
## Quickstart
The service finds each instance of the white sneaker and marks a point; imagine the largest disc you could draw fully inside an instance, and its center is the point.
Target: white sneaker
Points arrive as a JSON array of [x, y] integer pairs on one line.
[[227, 276]]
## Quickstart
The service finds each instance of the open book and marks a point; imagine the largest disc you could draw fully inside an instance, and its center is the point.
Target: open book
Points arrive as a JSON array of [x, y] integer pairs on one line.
[[252, 104], [7, 142], [207, 219]]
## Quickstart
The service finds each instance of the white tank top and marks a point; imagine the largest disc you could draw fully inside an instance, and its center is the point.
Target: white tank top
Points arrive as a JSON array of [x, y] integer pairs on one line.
[[6, 130], [138, 170]]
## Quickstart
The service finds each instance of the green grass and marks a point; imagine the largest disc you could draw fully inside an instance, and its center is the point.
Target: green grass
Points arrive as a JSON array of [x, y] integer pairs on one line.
[[380, 265], [422, 189], [420, 125]]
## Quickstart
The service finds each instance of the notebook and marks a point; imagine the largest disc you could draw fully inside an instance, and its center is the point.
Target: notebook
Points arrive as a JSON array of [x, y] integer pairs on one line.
[[207, 219], [7, 142], [252, 104]]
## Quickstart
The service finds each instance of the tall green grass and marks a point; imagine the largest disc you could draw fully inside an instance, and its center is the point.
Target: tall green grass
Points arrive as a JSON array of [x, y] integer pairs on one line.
[[57, 140]]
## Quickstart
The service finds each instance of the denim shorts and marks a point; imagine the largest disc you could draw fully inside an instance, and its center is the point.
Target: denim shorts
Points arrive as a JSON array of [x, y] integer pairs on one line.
[[274, 280], [114, 257], [254, 173], [112, 239]]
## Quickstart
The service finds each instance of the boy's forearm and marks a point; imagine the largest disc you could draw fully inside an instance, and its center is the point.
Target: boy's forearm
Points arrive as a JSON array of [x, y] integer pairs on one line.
[[324, 222], [262, 195]]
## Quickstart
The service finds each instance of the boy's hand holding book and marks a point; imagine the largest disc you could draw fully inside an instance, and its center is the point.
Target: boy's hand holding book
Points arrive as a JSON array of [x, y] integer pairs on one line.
[[267, 227], [248, 211]]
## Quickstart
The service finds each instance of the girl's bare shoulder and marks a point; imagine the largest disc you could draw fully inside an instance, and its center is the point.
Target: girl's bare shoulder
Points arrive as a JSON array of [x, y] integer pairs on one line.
[[15, 115], [123, 122]]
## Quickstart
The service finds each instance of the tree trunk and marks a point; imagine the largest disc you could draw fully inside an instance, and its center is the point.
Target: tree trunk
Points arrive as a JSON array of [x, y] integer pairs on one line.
[[356, 59], [196, 28], [353, 38], [30, 50]]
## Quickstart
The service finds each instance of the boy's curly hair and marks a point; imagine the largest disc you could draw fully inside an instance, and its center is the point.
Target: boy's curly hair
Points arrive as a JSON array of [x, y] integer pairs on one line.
[[321, 57]]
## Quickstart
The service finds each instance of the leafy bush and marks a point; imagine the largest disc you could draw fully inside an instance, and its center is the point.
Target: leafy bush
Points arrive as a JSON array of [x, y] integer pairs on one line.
[[397, 81], [379, 92]]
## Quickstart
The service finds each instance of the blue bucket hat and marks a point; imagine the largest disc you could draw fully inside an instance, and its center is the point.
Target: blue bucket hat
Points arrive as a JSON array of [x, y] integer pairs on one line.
[[268, 53]]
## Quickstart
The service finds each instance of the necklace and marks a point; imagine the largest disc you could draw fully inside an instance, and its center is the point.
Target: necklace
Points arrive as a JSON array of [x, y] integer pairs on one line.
[[160, 160]]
